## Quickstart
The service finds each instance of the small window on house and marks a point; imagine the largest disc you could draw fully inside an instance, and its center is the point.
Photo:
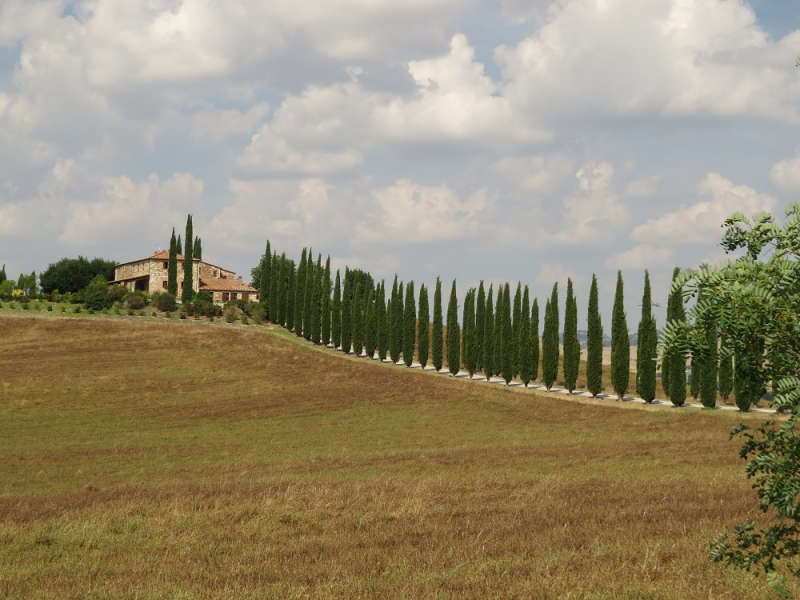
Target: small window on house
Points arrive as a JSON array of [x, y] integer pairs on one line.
[[164, 284], [225, 296], [234, 295], [166, 265]]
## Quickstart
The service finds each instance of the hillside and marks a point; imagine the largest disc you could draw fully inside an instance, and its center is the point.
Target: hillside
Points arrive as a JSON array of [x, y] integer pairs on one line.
[[189, 460]]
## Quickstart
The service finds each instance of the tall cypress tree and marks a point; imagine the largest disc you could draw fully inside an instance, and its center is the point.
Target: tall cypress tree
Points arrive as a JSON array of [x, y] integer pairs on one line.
[[497, 351], [525, 339], [179, 244], [370, 332], [516, 330], [620, 343], [675, 358], [265, 279], [409, 325], [325, 311], [480, 326], [535, 339], [507, 353], [594, 343], [197, 250], [299, 294], [696, 367], [396, 323], [357, 319], [307, 295], [572, 347], [272, 296], [550, 349], [646, 350], [187, 293], [725, 375], [336, 313], [289, 293], [347, 313], [708, 376], [381, 323], [437, 333], [468, 333], [453, 333], [316, 302], [423, 327], [488, 337], [172, 265]]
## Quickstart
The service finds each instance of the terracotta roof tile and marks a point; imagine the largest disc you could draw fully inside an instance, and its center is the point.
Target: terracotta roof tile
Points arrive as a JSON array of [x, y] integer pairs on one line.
[[226, 285]]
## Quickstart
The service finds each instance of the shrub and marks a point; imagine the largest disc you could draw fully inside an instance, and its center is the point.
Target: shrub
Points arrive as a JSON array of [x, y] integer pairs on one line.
[[77, 309], [50, 308], [137, 300], [211, 319], [96, 294], [232, 313], [153, 314], [25, 306], [256, 312], [63, 309], [245, 320], [165, 302], [116, 292], [183, 315], [12, 306], [130, 312]]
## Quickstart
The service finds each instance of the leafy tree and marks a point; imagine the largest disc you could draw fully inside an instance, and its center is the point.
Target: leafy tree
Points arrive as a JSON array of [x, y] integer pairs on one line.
[[300, 294], [647, 351], [526, 345], [437, 333], [27, 284], [96, 294], [594, 343], [325, 311], [480, 326], [187, 293], [620, 343], [488, 338], [468, 333], [453, 333], [507, 352], [336, 313], [381, 322], [409, 325], [753, 305], [423, 327], [535, 339], [550, 348], [347, 314], [172, 265], [3, 276], [572, 346], [70, 275]]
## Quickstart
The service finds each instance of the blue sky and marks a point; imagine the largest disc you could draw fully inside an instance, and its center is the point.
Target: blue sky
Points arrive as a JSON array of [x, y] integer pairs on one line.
[[516, 140]]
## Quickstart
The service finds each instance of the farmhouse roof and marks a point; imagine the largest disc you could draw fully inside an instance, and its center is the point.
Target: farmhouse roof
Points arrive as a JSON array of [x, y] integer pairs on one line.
[[164, 255], [226, 285]]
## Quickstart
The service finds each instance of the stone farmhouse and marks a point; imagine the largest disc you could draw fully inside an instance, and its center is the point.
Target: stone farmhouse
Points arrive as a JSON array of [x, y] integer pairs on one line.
[[150, 275]]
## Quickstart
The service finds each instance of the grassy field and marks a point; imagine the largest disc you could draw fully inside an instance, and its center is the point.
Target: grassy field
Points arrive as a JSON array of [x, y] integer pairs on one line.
[[191, 460]]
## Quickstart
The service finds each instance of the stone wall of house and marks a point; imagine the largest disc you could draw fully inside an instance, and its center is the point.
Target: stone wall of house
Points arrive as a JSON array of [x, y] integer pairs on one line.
[[208, 271]]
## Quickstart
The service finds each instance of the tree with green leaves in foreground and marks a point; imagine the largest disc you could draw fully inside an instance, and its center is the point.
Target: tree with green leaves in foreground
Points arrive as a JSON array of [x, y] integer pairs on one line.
[[381, 324], [336, 313], [647, 347], [187, 292], [409, 325], [535, 339], [572, 346], [594, 343], [550, 344], [675, 357], [172, 266], [507, 348], [423, 327], [620, 343], [453, 333], [468, 333], [325, 310], [480, 326], [347, 314], [437, 333], [525, 339], [753, 305], [488, 338]]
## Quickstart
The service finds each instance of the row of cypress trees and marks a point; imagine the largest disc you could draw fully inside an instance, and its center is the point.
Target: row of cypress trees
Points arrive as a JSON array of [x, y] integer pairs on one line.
[[498, 336]]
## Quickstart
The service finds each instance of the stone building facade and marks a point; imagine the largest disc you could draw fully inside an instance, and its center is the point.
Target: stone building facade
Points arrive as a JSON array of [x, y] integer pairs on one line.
[[150, 275]]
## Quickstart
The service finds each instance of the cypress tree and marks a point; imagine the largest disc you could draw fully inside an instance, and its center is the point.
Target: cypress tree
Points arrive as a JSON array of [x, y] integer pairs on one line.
[[535, 339], [594, 343], [437, 333], [265, 279], [289, 293], [299, 294], [395, 323], [357, 319], [347, 314], [307, 295], [172, 266], [572, 347], [695, 367], [708, 376], [453, 333], [620, 343], [725, 375], [179, 244], [488, 338], [550, 349], [325, 312], [525, 339], [468, 333], [676, 361], [371, 332], [381, 324], [397, 319], [480, 326], [187, 293], [316, 302], [507, 354], [497, 351], [516, 330], [336, 313], [409, 325], [423, 327], [197, 250], [646, 350], [272, 290]]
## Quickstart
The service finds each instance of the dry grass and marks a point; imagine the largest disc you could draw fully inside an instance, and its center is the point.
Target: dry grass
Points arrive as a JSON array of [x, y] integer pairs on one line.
[[163, 460]]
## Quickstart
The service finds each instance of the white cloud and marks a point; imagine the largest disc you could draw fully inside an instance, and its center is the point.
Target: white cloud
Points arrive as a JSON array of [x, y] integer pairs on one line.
[[643, 188], [643, 256], [786, 174], [539, 173], [213, 124], [595, 210], [700, 223]]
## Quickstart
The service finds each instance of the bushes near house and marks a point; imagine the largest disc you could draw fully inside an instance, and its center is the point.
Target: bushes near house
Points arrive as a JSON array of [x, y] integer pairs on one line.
[[164, 301]]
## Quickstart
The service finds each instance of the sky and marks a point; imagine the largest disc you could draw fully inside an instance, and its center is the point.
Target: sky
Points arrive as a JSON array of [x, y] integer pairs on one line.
[[511, 140]]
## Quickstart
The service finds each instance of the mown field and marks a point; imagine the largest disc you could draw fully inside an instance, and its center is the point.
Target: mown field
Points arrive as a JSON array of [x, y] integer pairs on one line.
[[192, 460]]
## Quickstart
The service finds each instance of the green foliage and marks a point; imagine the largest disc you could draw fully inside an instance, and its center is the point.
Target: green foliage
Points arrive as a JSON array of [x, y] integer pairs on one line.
[[594, 343], [507, 347], [396, 322], [437, 341], [497, 350], [187, 292], [409, 325], [516, 329], [468, 332], [488, 338], [673, 371], [647, 350], [316, 302], [325, 309], [197, 249], [300, 293], [550, 348], [725, 375], [70, 275], [336, 313], [381, 323], [347, 314], [708, 373], [165, 302], [453, 333], [308, 293], [357, 320], [172, 265], [6, 288], [620, 343], [526, 346], [480, 326], [370, 325], [423, 327], [96, 295], [572, 346], [535, 339]]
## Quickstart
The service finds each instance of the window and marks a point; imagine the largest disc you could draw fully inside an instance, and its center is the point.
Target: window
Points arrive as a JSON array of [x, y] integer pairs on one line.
[[225, 296], [164, 284], [234, 295], [166, 265]]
